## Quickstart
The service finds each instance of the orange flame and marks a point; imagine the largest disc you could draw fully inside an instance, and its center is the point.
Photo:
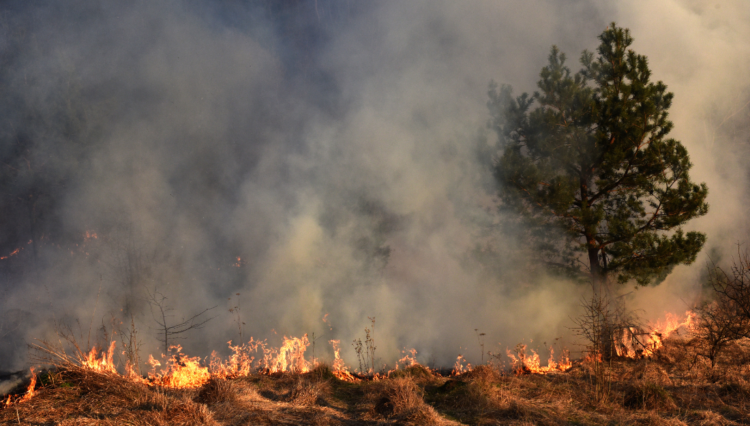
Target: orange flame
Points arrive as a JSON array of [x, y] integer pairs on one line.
[[291, 356], [240, 363], [30, 390], [525, 363], [325, 320], [340, 370], [409, 359], [459, 368], [182, 371], [635, 343], [103, 365]]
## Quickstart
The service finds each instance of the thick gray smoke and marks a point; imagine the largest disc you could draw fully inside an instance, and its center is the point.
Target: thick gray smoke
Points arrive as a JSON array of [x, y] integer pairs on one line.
[[321, 158]]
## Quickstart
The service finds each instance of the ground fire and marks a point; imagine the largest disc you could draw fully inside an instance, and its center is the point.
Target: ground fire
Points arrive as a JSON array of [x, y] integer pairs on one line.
[[636, 343], [286, 381], [256, 356]]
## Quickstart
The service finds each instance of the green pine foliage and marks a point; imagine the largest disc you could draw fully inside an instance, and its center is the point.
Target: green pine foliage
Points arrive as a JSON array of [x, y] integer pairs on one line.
[[587, 164]]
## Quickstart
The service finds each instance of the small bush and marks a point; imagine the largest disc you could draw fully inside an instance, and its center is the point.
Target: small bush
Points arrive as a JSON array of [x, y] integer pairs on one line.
[[215, 391], [648, 396], [401, 399], [307, 393], [415, 371], [321, 372], [482, 373]]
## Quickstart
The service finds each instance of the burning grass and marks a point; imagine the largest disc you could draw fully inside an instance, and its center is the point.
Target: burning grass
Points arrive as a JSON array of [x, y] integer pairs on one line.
[[674, 387], [673, 384]]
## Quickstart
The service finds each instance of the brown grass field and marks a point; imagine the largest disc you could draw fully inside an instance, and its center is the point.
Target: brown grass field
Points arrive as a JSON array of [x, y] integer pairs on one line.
[[677, 386]]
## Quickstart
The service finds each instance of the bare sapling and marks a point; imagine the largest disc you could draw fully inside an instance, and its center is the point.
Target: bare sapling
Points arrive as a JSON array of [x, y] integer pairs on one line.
[[93, 314], [733, 286], [366, 352], [313, 349], [238, 318], [370, 343], [725, 317], [597, 324], [131, 346], [480, 339], [358, 348], [168, 330]]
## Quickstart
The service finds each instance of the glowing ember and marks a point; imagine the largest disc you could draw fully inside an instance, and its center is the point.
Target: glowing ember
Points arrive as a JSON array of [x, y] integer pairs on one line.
[[13, 253]]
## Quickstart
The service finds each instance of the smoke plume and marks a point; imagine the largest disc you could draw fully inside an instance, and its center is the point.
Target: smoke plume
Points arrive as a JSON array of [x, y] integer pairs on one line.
[[288, 160]]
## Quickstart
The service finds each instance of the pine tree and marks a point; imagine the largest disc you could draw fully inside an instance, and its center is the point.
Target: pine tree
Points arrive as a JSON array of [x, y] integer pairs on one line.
[[602, 190]]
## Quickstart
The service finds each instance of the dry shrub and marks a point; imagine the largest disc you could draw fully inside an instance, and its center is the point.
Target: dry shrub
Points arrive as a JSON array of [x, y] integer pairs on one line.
[[308, 393], [321, 372], [104, 398], [473, 401], [183, 411], [676, 351], [216, 390], [94, 382], [245, 390], [735, 387], [462, 395], [709, 418], [244, 408], [647, 396], [648, 372], [417, 372], [654, 419], [483, 374], [152, 401], [401, 399]]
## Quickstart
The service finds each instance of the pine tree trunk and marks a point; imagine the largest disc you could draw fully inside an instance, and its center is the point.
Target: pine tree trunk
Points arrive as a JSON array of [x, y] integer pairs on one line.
[[602, 291]]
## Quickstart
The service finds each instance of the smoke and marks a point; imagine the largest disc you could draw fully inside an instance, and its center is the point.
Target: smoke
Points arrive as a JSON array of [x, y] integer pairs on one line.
[[321, 158]]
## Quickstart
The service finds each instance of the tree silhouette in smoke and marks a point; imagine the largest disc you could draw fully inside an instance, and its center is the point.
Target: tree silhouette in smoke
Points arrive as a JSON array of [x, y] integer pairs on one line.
[[591, 171]]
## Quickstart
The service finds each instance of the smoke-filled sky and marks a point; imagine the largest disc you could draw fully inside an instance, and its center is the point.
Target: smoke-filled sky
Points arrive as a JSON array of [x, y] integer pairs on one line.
[[320, 157]]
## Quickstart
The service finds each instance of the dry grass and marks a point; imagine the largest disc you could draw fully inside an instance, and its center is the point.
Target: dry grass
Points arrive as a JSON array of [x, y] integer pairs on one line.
[[676, 387], [401, 400]]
